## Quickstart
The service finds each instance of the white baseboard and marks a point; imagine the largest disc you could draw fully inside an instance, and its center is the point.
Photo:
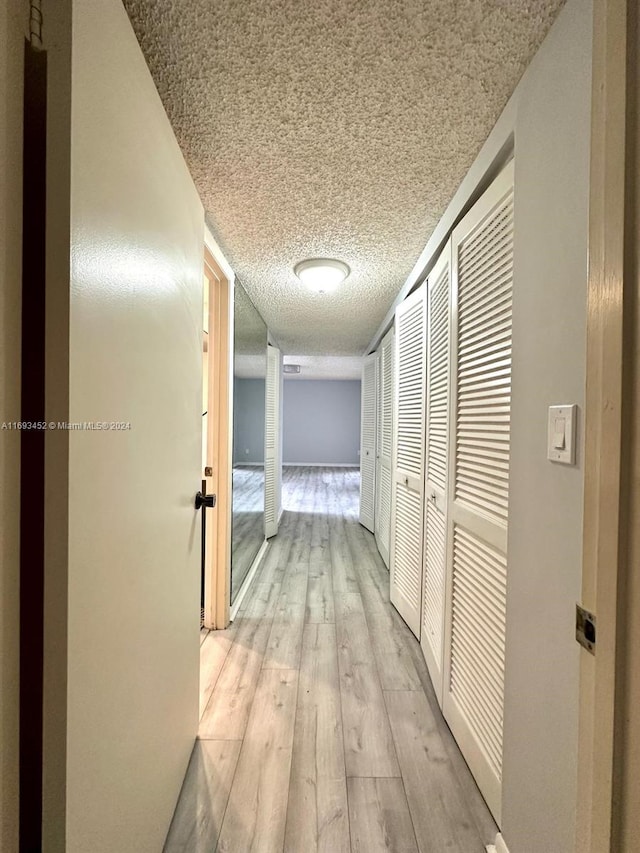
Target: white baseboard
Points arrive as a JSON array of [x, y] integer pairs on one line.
[[247, 581], [499, 846], [320, 464]]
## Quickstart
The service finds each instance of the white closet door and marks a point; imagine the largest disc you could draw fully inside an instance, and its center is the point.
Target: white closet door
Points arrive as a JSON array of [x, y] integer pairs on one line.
[[482, 273], [272, 443], [368, 442], [384, 473], [437, 458], [408, 474]]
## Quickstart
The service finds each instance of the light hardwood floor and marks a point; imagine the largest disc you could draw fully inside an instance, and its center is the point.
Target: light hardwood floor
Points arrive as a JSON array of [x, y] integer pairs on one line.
[[319, 727]]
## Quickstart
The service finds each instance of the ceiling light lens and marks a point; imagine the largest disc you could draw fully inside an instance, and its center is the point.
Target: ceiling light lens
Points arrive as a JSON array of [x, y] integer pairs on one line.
[[323, 275]]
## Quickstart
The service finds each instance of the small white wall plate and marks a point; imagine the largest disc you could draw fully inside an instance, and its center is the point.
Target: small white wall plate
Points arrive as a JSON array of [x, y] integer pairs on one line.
[[561, 434]]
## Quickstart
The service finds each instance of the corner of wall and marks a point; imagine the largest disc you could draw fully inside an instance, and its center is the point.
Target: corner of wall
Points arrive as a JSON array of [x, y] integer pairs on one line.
[[218, 255]]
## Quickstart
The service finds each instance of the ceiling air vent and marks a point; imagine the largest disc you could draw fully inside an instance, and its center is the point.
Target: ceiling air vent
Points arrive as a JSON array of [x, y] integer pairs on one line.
[[291, 368]]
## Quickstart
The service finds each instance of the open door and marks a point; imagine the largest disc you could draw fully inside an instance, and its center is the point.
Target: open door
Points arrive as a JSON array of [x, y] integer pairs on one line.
[[216, 471], [124, 360]]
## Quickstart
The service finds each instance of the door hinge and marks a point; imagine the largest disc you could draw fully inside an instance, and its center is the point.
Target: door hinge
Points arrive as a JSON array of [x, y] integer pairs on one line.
[[586, 629]]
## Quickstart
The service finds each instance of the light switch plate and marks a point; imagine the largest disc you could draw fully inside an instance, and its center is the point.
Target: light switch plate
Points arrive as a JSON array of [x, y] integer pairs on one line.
[[561, 434]]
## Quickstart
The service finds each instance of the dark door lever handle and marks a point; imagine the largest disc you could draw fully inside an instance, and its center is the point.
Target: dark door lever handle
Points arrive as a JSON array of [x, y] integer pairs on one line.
[[204, 500]]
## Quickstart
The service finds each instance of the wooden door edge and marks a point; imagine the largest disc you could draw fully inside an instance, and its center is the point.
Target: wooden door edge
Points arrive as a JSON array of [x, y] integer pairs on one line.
[[603, 424]]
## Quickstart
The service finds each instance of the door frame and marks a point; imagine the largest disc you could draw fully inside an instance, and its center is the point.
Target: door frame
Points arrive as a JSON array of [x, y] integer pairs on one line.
[[217, 574], [609, 730]]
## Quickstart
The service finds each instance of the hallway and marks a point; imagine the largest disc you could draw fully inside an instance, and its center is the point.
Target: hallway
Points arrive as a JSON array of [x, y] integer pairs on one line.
[[319, 729]]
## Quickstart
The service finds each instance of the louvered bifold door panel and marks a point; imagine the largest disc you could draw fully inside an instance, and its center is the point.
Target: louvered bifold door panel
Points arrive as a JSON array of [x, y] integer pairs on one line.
[[482, 279], [368, 443], [384, 471], [408, 459], [437, 460], [272, 443]]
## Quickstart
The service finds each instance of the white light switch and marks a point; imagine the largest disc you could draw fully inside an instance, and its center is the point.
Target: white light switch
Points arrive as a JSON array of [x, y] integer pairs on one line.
[[561, 434]]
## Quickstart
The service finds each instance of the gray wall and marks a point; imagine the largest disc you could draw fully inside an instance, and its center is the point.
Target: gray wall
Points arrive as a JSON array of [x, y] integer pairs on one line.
[[321, 422], [248, 421], [545, 521], [12, 19]]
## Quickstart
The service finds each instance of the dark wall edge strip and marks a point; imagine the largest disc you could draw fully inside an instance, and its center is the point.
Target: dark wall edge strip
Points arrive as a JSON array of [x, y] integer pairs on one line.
[[32, 448]]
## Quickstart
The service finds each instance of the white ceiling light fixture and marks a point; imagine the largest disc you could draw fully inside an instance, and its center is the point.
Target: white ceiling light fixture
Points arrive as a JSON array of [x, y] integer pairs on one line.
[[323, 275]]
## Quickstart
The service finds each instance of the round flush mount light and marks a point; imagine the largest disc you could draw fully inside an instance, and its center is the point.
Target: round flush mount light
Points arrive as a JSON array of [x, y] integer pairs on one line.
[[323, 275]]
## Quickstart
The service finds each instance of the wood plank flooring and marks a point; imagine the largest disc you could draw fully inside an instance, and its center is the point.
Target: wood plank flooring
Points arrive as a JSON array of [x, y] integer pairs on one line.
[[320, 732]]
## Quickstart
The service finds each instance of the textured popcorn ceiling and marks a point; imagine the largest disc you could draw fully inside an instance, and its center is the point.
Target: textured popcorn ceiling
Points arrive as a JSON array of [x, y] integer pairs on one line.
[[338, 128]]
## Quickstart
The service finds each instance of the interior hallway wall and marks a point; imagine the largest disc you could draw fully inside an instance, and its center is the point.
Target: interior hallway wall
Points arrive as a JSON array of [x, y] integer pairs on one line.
[[13, 18], [321, 422], [248, 421], [127, 656], [552, 133]]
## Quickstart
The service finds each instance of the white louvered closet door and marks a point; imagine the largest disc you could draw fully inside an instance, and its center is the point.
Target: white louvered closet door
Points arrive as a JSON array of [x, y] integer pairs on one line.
[[408, 474], [272, 443], [437, 461], [384, 471], [482, 277], [368, 442]]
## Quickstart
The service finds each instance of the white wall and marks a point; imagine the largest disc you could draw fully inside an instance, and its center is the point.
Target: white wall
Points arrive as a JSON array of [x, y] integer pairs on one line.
[[552, 129], [134, 354], [321, 422], [12, 21]]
